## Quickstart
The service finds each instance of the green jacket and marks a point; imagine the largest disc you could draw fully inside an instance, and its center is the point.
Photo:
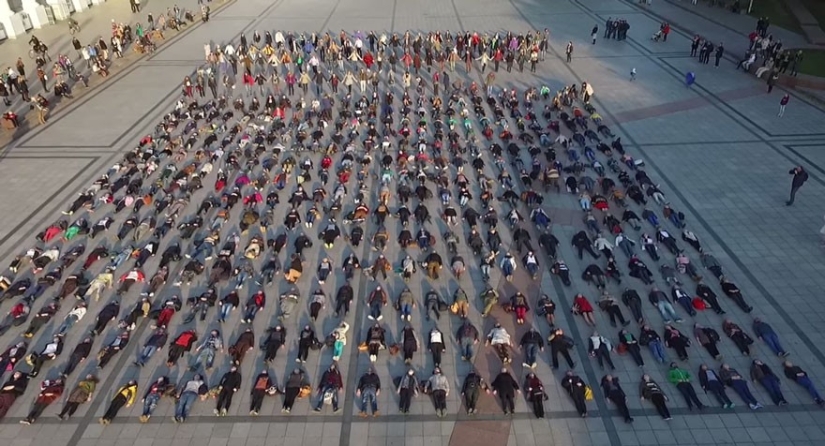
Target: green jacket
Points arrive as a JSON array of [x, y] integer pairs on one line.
[[676, 376]]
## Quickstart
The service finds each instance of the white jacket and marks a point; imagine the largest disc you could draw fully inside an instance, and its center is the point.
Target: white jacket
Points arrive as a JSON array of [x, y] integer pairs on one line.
[[499, 336]]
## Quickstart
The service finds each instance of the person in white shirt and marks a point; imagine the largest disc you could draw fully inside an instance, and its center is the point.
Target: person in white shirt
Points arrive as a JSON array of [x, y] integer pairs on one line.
[[436, 345]]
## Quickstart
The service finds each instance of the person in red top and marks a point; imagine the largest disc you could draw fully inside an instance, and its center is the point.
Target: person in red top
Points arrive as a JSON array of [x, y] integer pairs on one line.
[[368, 60], [182, 344], [582, 307], [782, 103], [129, 279], [665, 31]]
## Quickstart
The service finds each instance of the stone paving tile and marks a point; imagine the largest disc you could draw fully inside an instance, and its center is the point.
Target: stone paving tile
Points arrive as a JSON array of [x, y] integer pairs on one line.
[[690, 171]]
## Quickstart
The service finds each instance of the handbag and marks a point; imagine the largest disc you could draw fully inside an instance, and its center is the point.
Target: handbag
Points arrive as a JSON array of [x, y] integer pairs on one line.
[[588, 393], [304, 392]]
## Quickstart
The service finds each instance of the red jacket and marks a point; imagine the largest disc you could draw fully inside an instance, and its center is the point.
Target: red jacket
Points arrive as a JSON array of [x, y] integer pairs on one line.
[[186, 339], [583, 304]]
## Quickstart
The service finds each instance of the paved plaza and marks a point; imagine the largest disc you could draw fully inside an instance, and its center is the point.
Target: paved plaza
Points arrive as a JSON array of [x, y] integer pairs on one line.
[[717, 150]]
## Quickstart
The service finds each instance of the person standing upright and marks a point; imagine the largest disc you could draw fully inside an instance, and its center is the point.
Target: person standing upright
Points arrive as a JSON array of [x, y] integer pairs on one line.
[[782, 103], [799, 178]]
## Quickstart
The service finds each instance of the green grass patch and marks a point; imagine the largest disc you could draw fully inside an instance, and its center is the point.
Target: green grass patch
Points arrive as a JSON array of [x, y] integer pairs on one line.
[[813, 63], [776, 11], [817, 8]]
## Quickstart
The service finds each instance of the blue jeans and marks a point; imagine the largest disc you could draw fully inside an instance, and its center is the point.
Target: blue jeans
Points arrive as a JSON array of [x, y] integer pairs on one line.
[[375, 309], [657, 350], [369, 398], [146, 353], [224, 313], [67, 324], [334, 398], [773, 343], [667, 311], [150, 403], [203, 251], [741, 389], [206, 356], [406, 310], [771, 384], [530, 352], [251, 312], [467, 348], [532, 268], [187, 399], [809, 386]]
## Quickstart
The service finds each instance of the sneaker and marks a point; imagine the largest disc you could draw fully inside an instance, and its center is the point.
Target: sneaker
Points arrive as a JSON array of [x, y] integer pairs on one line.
[[317, 409], [370, 317], [380, 316], [753, 406], [216, 412], [25, 421], [336, 410], [253, 412]]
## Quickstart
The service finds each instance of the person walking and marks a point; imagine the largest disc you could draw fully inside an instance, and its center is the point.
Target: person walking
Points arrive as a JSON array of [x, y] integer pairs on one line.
[[782, 103], [594, 33], [799, 178]]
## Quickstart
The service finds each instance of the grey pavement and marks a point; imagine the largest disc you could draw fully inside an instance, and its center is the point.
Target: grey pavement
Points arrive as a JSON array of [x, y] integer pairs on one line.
[[717, 150]]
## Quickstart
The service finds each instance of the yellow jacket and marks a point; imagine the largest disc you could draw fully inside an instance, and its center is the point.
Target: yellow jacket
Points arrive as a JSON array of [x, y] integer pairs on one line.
[[129, 391]]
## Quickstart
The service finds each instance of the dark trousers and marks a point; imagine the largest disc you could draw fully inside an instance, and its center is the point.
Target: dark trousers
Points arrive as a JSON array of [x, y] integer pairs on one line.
[[272, 350], [436, 350], [289, 396], [405, 395], [471, 398], [69, 409], [257, 400], [565, 353], [225, 398], [508, 402], [687, 391], [658, 401], [114, 407], [538, 405], [793, 194], [579, 401], [621, 406], [408, 352], [603, 355], [718, 391], [440, 399], [37, 410], [712, 349], [771, 384], [303, 350]]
